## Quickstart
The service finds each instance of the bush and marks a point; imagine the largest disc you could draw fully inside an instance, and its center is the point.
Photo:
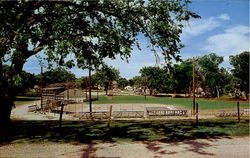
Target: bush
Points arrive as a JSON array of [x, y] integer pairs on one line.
[[32, 93]]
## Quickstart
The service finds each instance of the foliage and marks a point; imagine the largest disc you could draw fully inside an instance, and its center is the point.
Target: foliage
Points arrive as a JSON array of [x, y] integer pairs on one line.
[[85, 81], [240, 70], [122, 82], [152, 77], [89, 30], [176, 78], [106, 75], [179, 78], [57, 75], [24, 81], [136, 81], [210, 75], [120, 131]]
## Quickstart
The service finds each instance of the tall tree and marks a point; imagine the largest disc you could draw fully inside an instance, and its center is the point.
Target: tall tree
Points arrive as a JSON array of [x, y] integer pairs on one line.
[[24, 82], [182, 75], [210, 74], [153, 77], [91, 30], [122, 82], [240, 70], [136, 81], [106, 75], [59, 75]]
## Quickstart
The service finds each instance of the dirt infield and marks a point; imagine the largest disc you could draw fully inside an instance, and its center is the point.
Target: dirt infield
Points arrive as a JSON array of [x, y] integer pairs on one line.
[[21, 112], [237, 147]]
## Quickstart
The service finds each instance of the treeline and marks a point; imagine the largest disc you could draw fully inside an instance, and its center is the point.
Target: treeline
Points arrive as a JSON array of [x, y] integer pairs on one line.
[[27, 81], [211, 79]]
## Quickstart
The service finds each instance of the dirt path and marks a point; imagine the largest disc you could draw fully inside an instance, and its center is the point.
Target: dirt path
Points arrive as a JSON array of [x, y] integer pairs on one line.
[[21, 111], [225, 147]]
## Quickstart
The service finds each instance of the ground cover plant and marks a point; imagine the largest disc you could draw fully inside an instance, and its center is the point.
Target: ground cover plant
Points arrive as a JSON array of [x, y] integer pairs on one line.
[[120, 131], [204, 104]]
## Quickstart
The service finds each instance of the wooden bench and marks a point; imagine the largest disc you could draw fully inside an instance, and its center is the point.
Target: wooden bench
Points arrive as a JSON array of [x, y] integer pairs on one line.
[[228, 113], [128, 114], [96, 115], [165, 111]]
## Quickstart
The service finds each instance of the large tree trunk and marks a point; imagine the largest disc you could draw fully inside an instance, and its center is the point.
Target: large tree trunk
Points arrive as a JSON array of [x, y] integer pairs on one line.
[[6, 106], [150, 91], [106, 91], [7, 102], [218, 93], [7, 98]]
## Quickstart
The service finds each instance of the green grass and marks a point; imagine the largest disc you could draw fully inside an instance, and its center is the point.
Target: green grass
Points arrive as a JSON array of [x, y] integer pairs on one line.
[[123, 131], [184, 102], [23, 100]]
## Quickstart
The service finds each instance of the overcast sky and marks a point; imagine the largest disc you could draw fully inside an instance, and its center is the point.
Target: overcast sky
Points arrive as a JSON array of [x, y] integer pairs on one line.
[[223, 29]]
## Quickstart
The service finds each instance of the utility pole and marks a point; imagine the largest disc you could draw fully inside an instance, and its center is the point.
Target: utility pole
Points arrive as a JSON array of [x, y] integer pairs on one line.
[[90, 101], [238, 111], [41, 90], [193, 86], [86, 87]]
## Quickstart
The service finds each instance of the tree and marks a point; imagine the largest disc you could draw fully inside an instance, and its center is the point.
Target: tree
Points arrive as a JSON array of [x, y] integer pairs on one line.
[[136, 81], [153, 77], [181, 76], [91, 30], [106, 75], [58, 75], [85, 81], [122, 82], [210, 74], [131, 82], [240, 70], [229, 82], [25, 81]]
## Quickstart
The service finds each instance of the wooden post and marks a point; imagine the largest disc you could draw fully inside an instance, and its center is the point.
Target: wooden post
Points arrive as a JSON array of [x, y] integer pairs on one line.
[[110, 114], [197, 113], [67, 85], [61, 113], [238, 109], [193, 86], [41, 90], [45, 79], [86, 88]]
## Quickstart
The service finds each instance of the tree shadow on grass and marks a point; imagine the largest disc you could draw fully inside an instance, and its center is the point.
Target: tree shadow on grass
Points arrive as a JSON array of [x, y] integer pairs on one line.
[[94, 132]]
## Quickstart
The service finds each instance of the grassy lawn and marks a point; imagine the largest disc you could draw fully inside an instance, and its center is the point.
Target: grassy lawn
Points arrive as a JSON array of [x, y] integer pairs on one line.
[[123, 131], [23, 100], [184, 102]]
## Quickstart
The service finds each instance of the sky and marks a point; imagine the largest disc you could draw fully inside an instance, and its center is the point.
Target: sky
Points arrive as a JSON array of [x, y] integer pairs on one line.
[[223, 29]]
